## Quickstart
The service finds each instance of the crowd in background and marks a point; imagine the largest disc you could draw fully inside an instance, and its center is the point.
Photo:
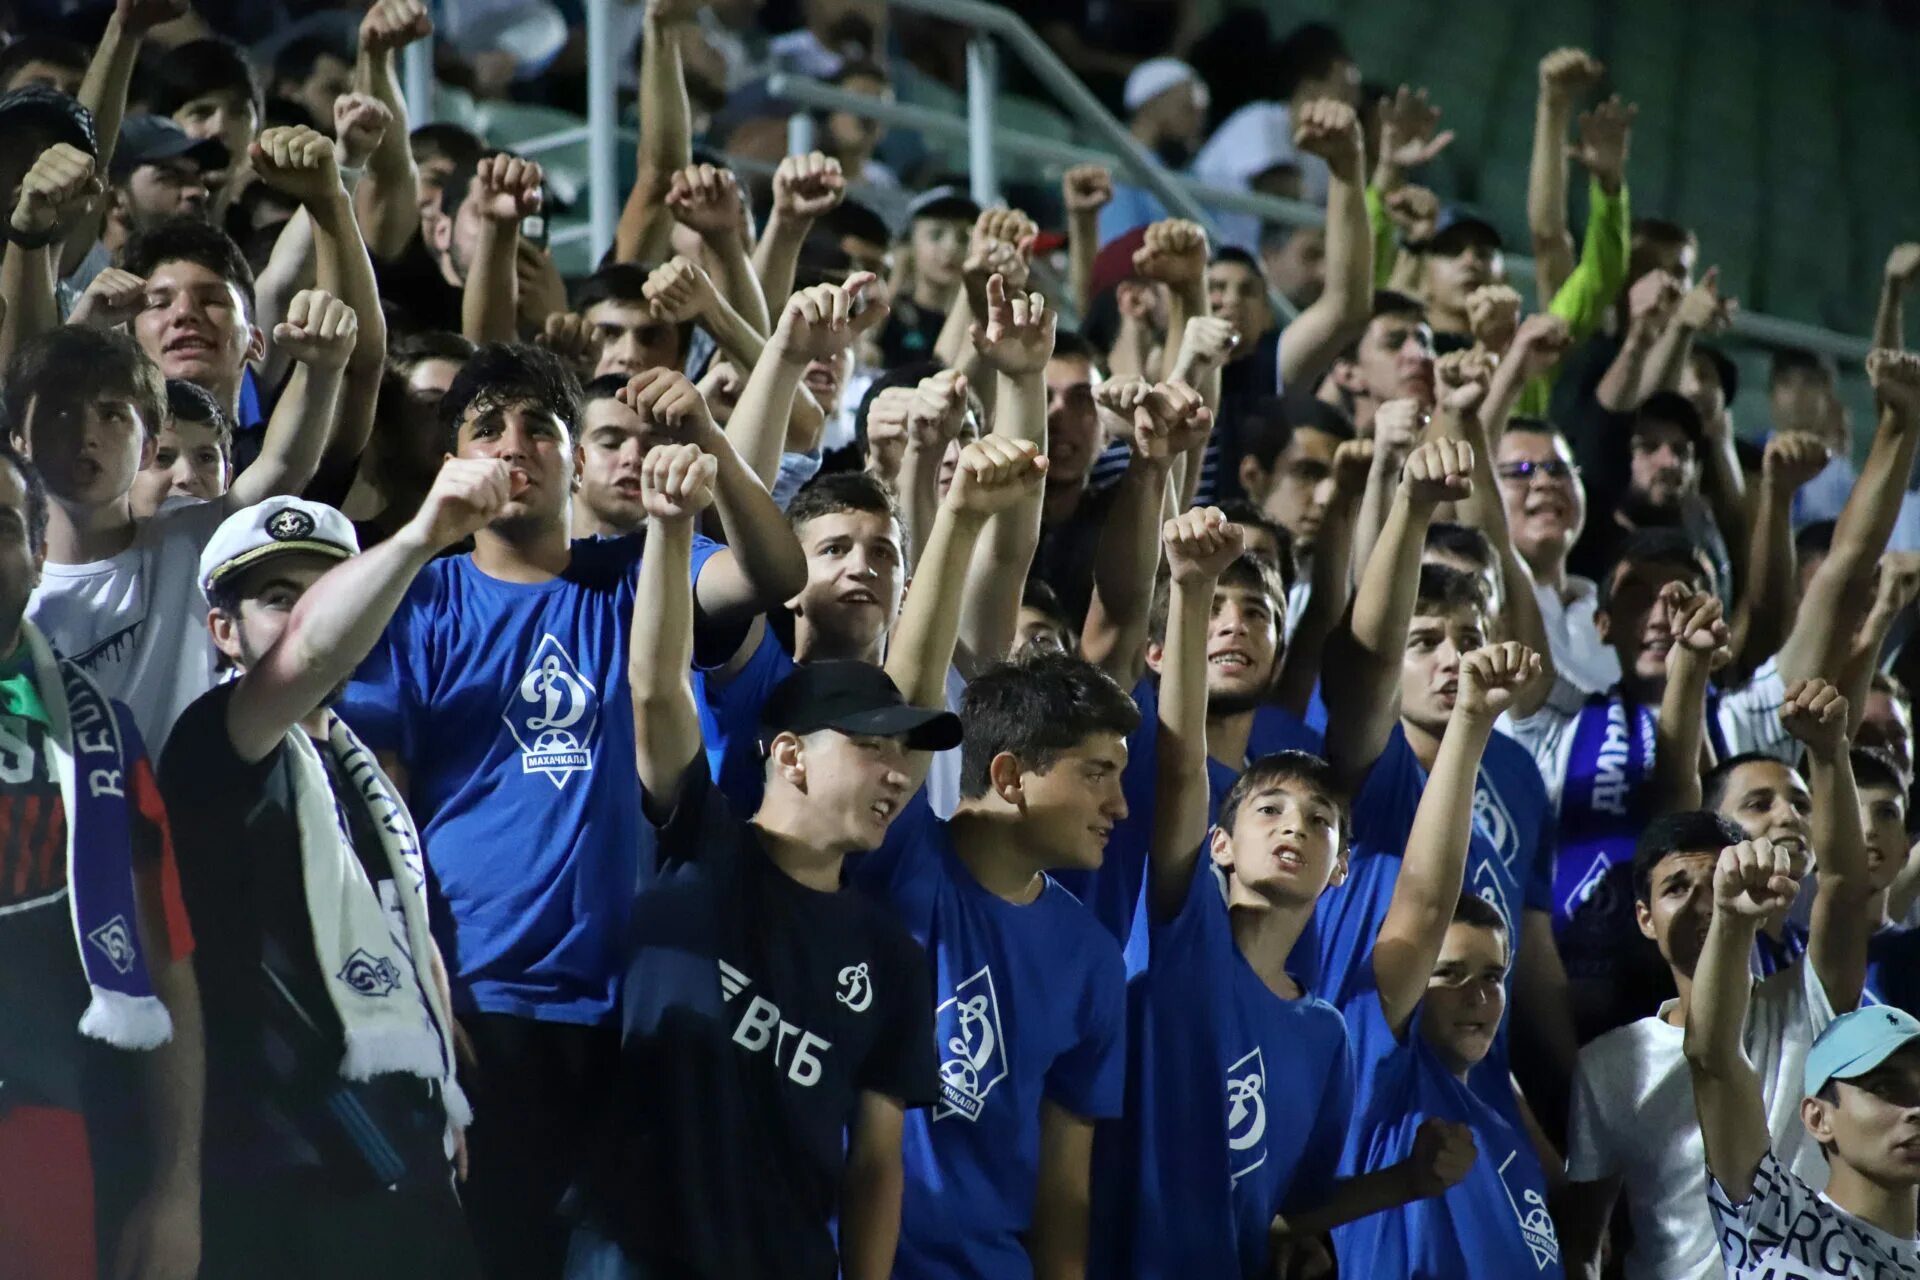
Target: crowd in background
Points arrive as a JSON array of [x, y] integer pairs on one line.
[[868, 735]]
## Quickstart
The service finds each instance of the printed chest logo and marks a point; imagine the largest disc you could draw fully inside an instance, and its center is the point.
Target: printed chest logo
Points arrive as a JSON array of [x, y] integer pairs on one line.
[[115, 941], [973, 1051], [762, 1029], [370, 975], [1536, 1224], [1247, 1114], [1485, 883], [1594, 890], [1491, 816], [552, 715], [856, 988]]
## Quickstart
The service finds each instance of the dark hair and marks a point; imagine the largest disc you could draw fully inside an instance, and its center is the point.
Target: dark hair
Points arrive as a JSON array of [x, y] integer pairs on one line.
[[171, 78], [298, 56], [1460, 540], [1674, 408], [1534, 427], [1037, 710], [1307, 52], [1038, 593], [1444, 589], [1814, 539], [1662, 231], [415, 349], [193, 403], [36, 491], [1266, 426], [1800, 360], [1873, 767], [1693, 831], [1246, 571], [1248, 516], [1071, 344], [189, 239], [1392, 302], [1472, 909], [623, 284], [1300, 766], [34, 47], [835, 492], [1659, 545], [283, 112], [75, 359], [445, 140], [1714, 784], [507, 373], [1239, 257], [607, 386]]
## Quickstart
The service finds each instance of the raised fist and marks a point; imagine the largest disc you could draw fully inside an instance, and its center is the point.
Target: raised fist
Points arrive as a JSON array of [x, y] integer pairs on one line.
[[1567, 73], [676, 481], [1086, 188], [1407, 123], [1702, 309], [887, 432], [994, 473], [1170, 419], [1652, 298], [1493, 316], [1491, 676], [991, 254], [1699, 628], [298, 161], [114, 297], [808, 187], [1903, 264], [1754, 879], [1793, 458], [1352, 460], [1017, 338], [360, 122], [1206, 344], [1443, 1154], [707, 199], [1200, 544], [573, 339], [1397, 425], [1539, 342], [1896, 581], [1438, 471], [56, 190], [319, 330], [667, 399], [1414, 212], [821, 321], [137, 17], [467, 494], [1895, 376], [679, 290], [1174, 252], [394, 24], [1605, 135], [1331, 130], [1814, 712], [1461, 378], [936, 410]]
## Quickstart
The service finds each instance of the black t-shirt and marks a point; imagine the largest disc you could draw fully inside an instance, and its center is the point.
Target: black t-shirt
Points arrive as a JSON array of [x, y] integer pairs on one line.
[[1244, 383], [909, 334], [755, 1012], [275, 1098], [413, 284], [1064, 558]]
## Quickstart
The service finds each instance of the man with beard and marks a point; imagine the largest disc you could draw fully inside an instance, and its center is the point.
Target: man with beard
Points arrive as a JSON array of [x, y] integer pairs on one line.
[[1166, 102], [1633, 1082], [158, 172], [329, 1032], [1653, 483]]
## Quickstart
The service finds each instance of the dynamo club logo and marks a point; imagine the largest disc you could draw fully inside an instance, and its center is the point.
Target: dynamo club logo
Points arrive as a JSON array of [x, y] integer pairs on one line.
[[115, 941], [1247, 1114], [973, 1050], [552, 715], [370, 975]]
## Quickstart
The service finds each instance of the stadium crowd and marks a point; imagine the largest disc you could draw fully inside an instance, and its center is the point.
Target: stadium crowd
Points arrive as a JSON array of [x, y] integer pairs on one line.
[[779, 757]]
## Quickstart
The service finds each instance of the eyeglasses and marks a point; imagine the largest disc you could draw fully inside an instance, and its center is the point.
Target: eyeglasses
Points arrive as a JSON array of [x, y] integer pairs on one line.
[[1553, 469]]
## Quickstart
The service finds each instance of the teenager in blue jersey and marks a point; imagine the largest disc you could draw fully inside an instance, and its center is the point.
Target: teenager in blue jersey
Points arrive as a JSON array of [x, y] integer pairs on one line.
[[1239, 1087], [1424, 1018], [1029, 995], [859, 551], [1392, 680], [497, 694], [775, 1026]]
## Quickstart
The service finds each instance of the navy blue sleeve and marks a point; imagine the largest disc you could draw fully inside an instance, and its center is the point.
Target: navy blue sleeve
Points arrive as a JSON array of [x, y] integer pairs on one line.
[[903, 1064], [694, 824]]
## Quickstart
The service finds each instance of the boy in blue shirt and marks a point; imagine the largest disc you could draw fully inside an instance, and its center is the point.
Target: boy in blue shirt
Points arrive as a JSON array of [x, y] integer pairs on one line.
[[1425, 1019], [1029, 992], [1239, 1087], [498, 695]]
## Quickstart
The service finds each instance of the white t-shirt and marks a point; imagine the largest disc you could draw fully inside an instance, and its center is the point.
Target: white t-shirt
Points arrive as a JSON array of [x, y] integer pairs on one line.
[[1788, 1231], [1633, 1119], [1749, 717], [137, 622], [1579, 654]]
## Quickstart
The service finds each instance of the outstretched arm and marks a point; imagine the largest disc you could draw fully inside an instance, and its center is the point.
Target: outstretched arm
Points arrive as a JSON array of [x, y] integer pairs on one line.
[[666, 133], [1564, 75], [54, 194], [1309, 345], [387, 199], [103, 91], [1701, 310], [1086, 190], [1834, 605], [1113, 635], [707, 200], [1699, 642], [509, 190], [1889, 321], [1770, 599], [1428, 886], [1816, 714], [676, 485], [805, 188], [319, 335], [336, 623], [1362, 681], [876, 1179], [993, 476], [1752, 880], [1200, 545]]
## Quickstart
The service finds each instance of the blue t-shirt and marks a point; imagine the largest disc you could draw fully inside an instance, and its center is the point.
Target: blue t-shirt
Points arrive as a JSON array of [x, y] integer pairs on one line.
[[1237, 1107], [507, 703], [1030, 1005], [1494, 1222], [1893, 962], [1114, 891], [732, 714]]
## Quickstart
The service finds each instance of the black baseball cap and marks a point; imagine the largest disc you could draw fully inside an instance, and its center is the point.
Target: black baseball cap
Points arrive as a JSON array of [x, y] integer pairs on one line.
[[853, 697], [941, 202], [49, 117], [147, 139], [1724, 367], [1671, 406], [1460, 227]]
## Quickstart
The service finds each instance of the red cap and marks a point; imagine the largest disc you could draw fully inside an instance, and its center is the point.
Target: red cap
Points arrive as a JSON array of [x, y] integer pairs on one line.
[[1113, 265]]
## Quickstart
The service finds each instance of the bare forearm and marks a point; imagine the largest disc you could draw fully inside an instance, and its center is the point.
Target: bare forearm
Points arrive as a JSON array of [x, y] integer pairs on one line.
[[870, 1223], [1620, 385], [1376, 500], [758, 427], [737, 283], [1721, 982], [1666, 361], [295, 438], [921, 648], [1771, 582], [660, 656], [1678, 734], [1129, 549], [491, 301], [919, 489], [1547, 199], [103, 90], [777, 257], [1383, 606], [1889, 320], [756, 529], [1329, 578], [666, 145], [26, 285], [1349, 1200], [174, 1081], [387, 199], [1083, 245]]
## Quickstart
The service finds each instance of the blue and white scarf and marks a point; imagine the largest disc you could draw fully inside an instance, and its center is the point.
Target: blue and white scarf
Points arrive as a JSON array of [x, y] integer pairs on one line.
[[1605, 802]]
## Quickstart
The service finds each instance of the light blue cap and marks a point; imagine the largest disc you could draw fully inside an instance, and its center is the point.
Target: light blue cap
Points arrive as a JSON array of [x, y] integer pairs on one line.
[[1855, 1043]]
